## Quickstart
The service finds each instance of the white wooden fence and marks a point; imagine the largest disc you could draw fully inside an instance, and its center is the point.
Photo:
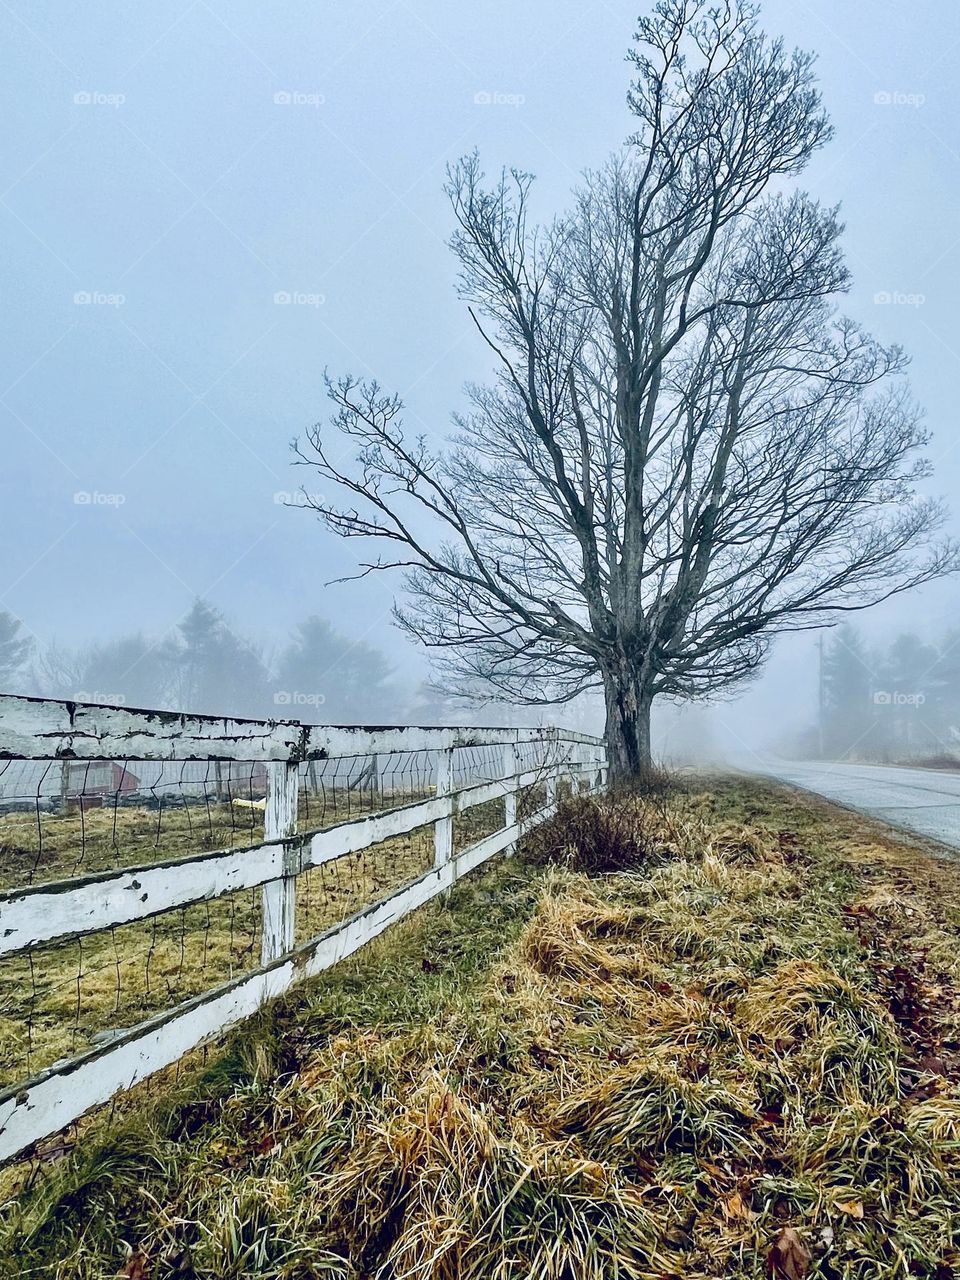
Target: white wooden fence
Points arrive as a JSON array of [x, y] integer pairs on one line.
[[47, 914]]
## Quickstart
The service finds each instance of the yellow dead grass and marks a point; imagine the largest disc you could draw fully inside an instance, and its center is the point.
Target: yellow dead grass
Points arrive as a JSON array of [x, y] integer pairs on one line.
[[666, 1070]]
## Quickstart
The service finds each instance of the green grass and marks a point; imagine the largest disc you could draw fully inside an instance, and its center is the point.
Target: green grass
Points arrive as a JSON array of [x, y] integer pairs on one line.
[[654, 1073]]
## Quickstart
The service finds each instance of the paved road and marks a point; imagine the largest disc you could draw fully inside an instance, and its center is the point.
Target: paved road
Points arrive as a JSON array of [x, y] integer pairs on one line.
[[925, 801]]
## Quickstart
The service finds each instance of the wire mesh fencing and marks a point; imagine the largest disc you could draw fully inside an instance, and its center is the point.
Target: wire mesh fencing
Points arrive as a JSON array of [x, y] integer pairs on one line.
[[65, 818], [341, 789], [143, 909]]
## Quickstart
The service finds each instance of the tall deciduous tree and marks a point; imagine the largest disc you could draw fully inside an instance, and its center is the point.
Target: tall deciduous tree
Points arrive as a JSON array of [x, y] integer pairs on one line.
[[685, 450], [131, 668]]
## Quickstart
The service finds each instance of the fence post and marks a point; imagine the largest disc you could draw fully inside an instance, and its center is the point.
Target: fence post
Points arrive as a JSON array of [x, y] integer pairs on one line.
[[509, 770], [585, 783], [570, 772], [443, 827], [280, 896], [552, 792]]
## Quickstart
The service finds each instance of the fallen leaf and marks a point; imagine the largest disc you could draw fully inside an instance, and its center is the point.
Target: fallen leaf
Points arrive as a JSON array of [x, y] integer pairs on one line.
[[787, 1258], [852, 1208], [266, 1145], [137, 1266], [644, 1166], [935, 1065], [735, 1207]]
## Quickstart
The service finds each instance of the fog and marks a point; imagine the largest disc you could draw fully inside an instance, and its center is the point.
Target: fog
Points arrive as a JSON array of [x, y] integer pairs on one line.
[[206, 204]]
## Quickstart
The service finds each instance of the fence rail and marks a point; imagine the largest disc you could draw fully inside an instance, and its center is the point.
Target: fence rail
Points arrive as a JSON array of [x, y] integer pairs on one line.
[[441, 784]]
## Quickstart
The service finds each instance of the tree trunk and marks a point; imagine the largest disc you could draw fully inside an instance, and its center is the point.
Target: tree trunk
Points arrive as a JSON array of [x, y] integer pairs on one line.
[[627, 732]]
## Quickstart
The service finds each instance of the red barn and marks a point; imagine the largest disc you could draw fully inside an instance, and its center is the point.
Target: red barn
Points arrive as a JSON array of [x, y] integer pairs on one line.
[[89, 782]]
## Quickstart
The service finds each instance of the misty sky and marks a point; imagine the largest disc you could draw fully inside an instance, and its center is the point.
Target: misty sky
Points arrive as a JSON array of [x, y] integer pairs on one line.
[[181, 164]]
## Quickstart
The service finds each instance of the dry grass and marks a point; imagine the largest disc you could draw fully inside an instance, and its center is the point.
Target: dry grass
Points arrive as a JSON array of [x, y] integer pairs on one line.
[[54, 1000], [38, 847], [642, 1075]]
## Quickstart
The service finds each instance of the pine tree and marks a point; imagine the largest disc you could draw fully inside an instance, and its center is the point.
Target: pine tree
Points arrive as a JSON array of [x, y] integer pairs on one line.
[[913, 711], [323, 674], [15, 649], [212, 670], [848, 685]]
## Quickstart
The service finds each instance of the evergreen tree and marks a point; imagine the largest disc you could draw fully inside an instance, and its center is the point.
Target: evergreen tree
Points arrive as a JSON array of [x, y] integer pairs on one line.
[[848, 685], [945, 685], [325, 675], [15, 649], [212, 670], [913, 711]]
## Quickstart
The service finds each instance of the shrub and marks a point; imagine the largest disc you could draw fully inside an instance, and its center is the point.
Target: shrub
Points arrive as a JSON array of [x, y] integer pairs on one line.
[[597, 835]]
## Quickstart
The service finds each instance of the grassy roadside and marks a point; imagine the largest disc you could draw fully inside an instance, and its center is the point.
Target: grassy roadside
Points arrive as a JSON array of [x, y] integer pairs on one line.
[[740, 1053]]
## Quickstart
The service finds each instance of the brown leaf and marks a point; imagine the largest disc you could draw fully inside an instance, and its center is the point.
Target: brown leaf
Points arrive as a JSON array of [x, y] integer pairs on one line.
[[266, 1144], [771, 1116], [936, 1066], [787, 1258], [735, 1208], [137, 1266]]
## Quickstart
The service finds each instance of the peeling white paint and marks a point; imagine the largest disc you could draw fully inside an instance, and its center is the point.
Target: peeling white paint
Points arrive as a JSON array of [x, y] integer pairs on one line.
[[38, 729]]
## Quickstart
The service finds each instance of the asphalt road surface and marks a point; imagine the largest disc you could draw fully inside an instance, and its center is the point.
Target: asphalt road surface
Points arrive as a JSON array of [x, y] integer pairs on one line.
[[924, 801]]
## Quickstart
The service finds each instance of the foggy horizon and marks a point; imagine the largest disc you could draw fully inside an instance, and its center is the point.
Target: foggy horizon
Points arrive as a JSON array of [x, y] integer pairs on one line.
[[205, 208]]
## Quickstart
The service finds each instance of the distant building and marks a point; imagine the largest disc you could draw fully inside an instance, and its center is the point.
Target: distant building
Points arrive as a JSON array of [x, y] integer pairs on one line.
[[45, 784], [88, 783]]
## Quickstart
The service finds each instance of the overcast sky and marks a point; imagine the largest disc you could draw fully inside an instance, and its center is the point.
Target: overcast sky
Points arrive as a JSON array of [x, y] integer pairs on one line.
[[172, 172]]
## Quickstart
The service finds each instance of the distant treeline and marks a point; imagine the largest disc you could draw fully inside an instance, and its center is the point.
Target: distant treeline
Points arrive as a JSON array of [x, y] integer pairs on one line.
[[899, 702], [203, 664]]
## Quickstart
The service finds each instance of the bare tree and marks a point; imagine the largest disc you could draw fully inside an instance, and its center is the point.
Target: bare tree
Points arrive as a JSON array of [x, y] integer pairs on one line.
[[684, 450]]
